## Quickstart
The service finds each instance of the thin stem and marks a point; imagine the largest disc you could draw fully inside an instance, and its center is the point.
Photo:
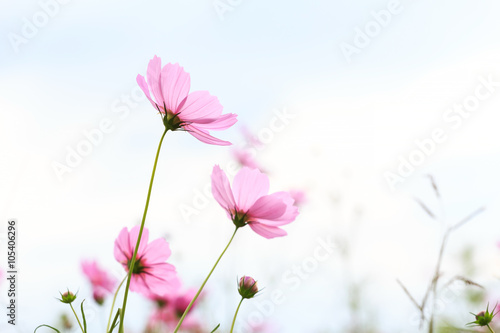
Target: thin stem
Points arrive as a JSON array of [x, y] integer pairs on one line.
[[113, 304], [132, 262], [77, 319], [436, 278], [235, 314], [203, 285], [491, 330]]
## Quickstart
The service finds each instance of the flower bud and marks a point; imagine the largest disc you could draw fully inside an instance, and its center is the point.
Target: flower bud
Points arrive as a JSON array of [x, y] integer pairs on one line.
[[483, 318], [247, 287], [68, 297], [99, 296]]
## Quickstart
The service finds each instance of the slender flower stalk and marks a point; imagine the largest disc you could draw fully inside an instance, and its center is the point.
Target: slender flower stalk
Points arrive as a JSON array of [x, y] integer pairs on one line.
[[132, 263], [76, 316], [236, 314], [113, 304], [203, 284], [491, 330]]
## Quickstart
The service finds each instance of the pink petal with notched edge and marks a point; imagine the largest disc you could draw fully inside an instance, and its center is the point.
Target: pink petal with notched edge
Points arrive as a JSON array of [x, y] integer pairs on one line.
[[267, 231], [217, 124], [268, 207], [288, 215], [141, 81], [248, 186], [122, 247], [101, 281], [157, 251], [161, 280], [221, 190], [203, 136], [199, 105], [154, 79], [134, 235], [175, 85]]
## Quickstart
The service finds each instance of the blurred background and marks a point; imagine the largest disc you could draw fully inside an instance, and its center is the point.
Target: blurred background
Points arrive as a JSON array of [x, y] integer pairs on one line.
[[354, 103]]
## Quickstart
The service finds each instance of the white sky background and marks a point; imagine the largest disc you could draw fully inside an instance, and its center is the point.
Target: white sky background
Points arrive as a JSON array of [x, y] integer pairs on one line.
[[353, 120]]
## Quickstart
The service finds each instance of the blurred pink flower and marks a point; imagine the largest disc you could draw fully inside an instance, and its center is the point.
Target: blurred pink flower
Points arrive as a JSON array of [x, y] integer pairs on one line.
[[245, 158], [251, 139], [262, 328], [197, 112], [102, 283], [151, 273], [170, 308], [248, 202], [299, 196]]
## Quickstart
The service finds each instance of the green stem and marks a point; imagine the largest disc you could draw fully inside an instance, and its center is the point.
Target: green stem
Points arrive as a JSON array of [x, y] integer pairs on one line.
[[77, 319], [491, 330], [113, 304], [132, 262], [235, 314], [203, 285]]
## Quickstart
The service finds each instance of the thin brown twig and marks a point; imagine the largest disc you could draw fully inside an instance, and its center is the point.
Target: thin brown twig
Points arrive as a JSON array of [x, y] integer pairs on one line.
[[409, 295]]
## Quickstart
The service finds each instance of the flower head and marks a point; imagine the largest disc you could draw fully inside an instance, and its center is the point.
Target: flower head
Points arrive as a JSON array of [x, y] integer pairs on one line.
[[483, 318], [67, 297], [197, 112], [247, 287], [245, 158], [248, 202], [299, 196], [171, 307], [102, 282], [151, 273], [251, 138]]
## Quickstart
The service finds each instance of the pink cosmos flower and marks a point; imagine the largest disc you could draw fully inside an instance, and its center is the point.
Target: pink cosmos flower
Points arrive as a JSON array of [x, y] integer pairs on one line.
[[248, 202], [102, 283], [245, 158], [299, 196], [170, 308], [263, 328], [197, 112], [151, 273], [251, 138]]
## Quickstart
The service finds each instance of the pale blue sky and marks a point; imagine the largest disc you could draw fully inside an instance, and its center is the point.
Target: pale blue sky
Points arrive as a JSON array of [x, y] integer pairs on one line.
[[352, 122]]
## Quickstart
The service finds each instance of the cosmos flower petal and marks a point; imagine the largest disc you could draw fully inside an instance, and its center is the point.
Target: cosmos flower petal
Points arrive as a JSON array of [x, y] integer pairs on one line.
[[157, 251], [154, 79], [223, 122], [248, 186], [134, 235], [162, 279], [122, 249], [289, 214], [221, 190], [267, 231], [199, 105], [141, 81], [203, 136], [175, 85], [268, 207]]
